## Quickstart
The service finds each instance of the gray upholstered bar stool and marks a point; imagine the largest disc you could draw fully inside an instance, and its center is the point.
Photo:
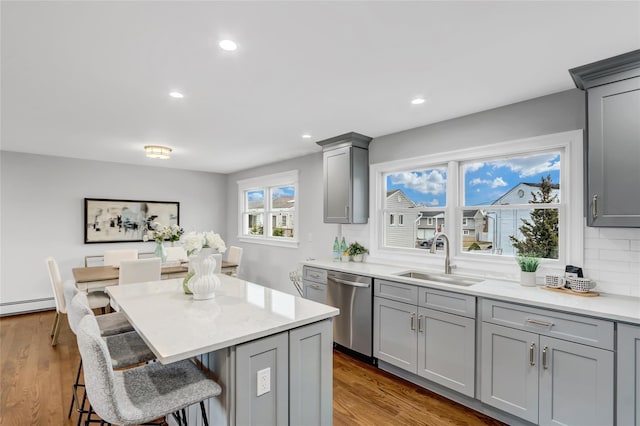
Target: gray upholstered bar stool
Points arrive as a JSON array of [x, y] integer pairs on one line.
[[139, 395], [128, 348]]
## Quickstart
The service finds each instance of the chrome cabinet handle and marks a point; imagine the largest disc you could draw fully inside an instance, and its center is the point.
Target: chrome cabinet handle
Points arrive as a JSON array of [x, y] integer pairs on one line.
[[413, 321], [544, 358], [315, 275], [531, 349], [420, 324], [351, 283], [538, 322], [346, 211], [594, 206], [316, 286]]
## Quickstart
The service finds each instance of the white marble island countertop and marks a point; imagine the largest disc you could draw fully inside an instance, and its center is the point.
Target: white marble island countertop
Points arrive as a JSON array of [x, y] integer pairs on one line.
[[176, 327], [605, 306]]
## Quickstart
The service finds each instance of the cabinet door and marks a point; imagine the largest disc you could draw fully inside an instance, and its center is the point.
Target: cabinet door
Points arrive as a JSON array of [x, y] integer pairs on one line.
[[315, 292], [509, 378], [272, 407], [576, 384], [394, 333], [628, 375], [614, 154], [337, 185], [310, 374], [446, 350]]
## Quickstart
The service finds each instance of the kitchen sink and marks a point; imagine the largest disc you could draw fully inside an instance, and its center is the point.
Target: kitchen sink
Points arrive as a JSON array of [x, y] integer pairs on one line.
[[440, 278]]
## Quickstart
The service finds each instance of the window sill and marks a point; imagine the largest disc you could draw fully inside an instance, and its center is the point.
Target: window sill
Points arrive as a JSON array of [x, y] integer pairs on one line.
[[270, 242]]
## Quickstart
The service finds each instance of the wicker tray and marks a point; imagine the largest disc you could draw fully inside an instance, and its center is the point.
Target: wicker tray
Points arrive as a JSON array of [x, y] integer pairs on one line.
[[590, 293]]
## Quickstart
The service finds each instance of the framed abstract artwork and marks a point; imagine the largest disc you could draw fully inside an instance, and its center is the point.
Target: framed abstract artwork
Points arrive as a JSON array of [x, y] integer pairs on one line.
[[119, 221]]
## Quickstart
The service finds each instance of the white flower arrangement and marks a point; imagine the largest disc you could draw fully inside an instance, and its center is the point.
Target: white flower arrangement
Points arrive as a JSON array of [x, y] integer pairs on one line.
[[194, 242], [159, 233]]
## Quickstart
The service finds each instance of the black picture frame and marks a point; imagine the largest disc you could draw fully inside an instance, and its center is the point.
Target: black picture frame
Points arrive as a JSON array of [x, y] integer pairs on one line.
[[125, 221]]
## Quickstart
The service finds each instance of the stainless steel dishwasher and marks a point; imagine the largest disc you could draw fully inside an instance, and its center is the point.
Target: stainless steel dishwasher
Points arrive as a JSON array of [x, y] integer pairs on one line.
[[353, 295]]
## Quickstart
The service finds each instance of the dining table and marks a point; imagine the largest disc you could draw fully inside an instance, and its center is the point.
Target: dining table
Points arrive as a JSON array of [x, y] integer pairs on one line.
[[95, 278], [244, 332]]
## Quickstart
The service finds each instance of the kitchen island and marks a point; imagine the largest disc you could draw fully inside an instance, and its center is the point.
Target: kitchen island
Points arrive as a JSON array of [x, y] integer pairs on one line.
[[270, 351]]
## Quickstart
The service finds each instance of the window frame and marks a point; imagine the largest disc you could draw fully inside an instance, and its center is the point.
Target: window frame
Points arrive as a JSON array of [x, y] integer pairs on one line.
[[570, 208], [267, 183]]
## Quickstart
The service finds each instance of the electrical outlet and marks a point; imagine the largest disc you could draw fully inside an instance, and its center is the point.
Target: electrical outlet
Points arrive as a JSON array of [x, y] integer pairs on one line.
[[264, 381]]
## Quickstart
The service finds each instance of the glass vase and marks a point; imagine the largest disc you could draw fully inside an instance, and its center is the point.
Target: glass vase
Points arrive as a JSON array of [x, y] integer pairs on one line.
[[160, 252]]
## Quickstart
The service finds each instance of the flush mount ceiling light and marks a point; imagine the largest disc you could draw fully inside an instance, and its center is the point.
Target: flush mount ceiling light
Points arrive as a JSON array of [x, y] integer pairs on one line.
[[306, 136], [228, 45], [176, 95], [417, 101], [158, 152]]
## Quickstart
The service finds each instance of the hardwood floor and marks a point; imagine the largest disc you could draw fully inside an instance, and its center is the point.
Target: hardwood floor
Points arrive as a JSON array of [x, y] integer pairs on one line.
[[36, 378]]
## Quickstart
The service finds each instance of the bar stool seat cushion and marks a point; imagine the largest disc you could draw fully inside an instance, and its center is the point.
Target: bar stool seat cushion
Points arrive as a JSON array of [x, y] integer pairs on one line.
[[128, 349], [98, 299], [114, 323]]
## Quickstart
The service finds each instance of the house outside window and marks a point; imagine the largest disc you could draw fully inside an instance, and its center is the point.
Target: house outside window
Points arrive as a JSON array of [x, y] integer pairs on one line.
[[267, 207], [498, 189]]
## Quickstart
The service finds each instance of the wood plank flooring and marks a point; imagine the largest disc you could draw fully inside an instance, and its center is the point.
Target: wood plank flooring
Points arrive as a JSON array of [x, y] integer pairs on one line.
[[36, 378]]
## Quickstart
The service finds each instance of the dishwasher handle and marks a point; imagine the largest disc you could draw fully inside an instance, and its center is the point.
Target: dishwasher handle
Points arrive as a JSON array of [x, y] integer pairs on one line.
[[351, 283]]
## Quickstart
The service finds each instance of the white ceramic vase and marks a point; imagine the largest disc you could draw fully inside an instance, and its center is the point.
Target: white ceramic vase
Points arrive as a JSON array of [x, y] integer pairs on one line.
[[205, 282], [527, 279]]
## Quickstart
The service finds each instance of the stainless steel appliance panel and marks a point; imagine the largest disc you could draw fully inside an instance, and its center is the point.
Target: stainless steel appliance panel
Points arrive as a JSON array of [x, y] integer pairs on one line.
[[353, 295]]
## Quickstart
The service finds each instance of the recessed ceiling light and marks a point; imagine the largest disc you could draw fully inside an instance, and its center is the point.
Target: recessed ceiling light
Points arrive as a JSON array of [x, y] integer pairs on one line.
[[176, 95], [228, 45], [306, 136], [417, 101]]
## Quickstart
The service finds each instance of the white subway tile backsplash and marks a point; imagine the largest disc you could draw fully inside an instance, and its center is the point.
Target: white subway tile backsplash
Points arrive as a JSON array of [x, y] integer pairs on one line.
[[620, 233], [620, 255], [606, 244], [612, 259]]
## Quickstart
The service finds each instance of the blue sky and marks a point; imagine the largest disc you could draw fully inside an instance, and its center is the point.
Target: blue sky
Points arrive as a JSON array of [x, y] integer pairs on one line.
[[484, 181], [277, 192]]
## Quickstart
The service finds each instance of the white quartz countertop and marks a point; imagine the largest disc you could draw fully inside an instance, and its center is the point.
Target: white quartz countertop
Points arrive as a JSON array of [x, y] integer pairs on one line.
[[606, 306], [176, 327]]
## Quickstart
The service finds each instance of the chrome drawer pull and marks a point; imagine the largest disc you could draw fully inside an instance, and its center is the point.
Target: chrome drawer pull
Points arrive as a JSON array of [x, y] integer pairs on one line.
[[420, 324], [594, 207], [531, 349], [537, 322], [544, 358], [413, 321]]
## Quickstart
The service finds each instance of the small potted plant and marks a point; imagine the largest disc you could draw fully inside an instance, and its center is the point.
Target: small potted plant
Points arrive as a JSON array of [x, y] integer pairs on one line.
[[357, 251], [528, 266]]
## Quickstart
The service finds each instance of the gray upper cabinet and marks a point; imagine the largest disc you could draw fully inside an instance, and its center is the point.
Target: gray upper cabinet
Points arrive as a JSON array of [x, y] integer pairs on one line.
[[613, 108], [346, 178]]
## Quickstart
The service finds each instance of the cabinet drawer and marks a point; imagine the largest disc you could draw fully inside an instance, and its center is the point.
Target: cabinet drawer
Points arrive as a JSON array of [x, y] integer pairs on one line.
[[401, 292], [446, 301], [575, 328], [314, 274]]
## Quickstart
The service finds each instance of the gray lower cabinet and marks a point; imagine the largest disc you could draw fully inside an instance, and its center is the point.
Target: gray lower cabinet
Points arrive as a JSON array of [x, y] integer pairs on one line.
[[446, 350], [299, 364], [270, 408], [433, 344], [311, 374], [395, 333], [314, 284], [628, 408], [543, 379]]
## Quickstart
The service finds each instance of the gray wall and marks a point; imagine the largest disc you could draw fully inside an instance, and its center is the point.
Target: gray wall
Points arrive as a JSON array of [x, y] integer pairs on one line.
[[42, 212], [270, 265], [554, 113]]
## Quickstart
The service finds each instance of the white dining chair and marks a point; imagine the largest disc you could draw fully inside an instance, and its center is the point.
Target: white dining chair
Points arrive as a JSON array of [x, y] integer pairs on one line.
[[235, 257], [176, 254], [96, 299], [114, 257], [141, 270]]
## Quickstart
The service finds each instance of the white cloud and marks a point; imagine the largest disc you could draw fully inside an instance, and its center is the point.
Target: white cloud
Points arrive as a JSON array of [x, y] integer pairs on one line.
[[433, 202], [256, 195], [432, 182], [497, 182], [478, 181], [472, 167], [532, 165]]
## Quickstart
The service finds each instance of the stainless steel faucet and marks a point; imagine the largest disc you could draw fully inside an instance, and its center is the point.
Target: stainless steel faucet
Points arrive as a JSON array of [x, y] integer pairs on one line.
[[447, 260]]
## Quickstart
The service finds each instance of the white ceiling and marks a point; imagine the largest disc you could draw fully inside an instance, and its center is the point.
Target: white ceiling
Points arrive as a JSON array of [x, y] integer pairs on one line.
[[91, 79]]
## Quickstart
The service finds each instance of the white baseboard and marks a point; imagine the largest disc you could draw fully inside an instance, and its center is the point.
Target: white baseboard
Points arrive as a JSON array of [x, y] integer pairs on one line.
[[26, 306]]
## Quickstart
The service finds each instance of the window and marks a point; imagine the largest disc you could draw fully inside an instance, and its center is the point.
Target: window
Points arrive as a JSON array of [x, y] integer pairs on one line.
[[507, 198], [413, 198], [267, 208]]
